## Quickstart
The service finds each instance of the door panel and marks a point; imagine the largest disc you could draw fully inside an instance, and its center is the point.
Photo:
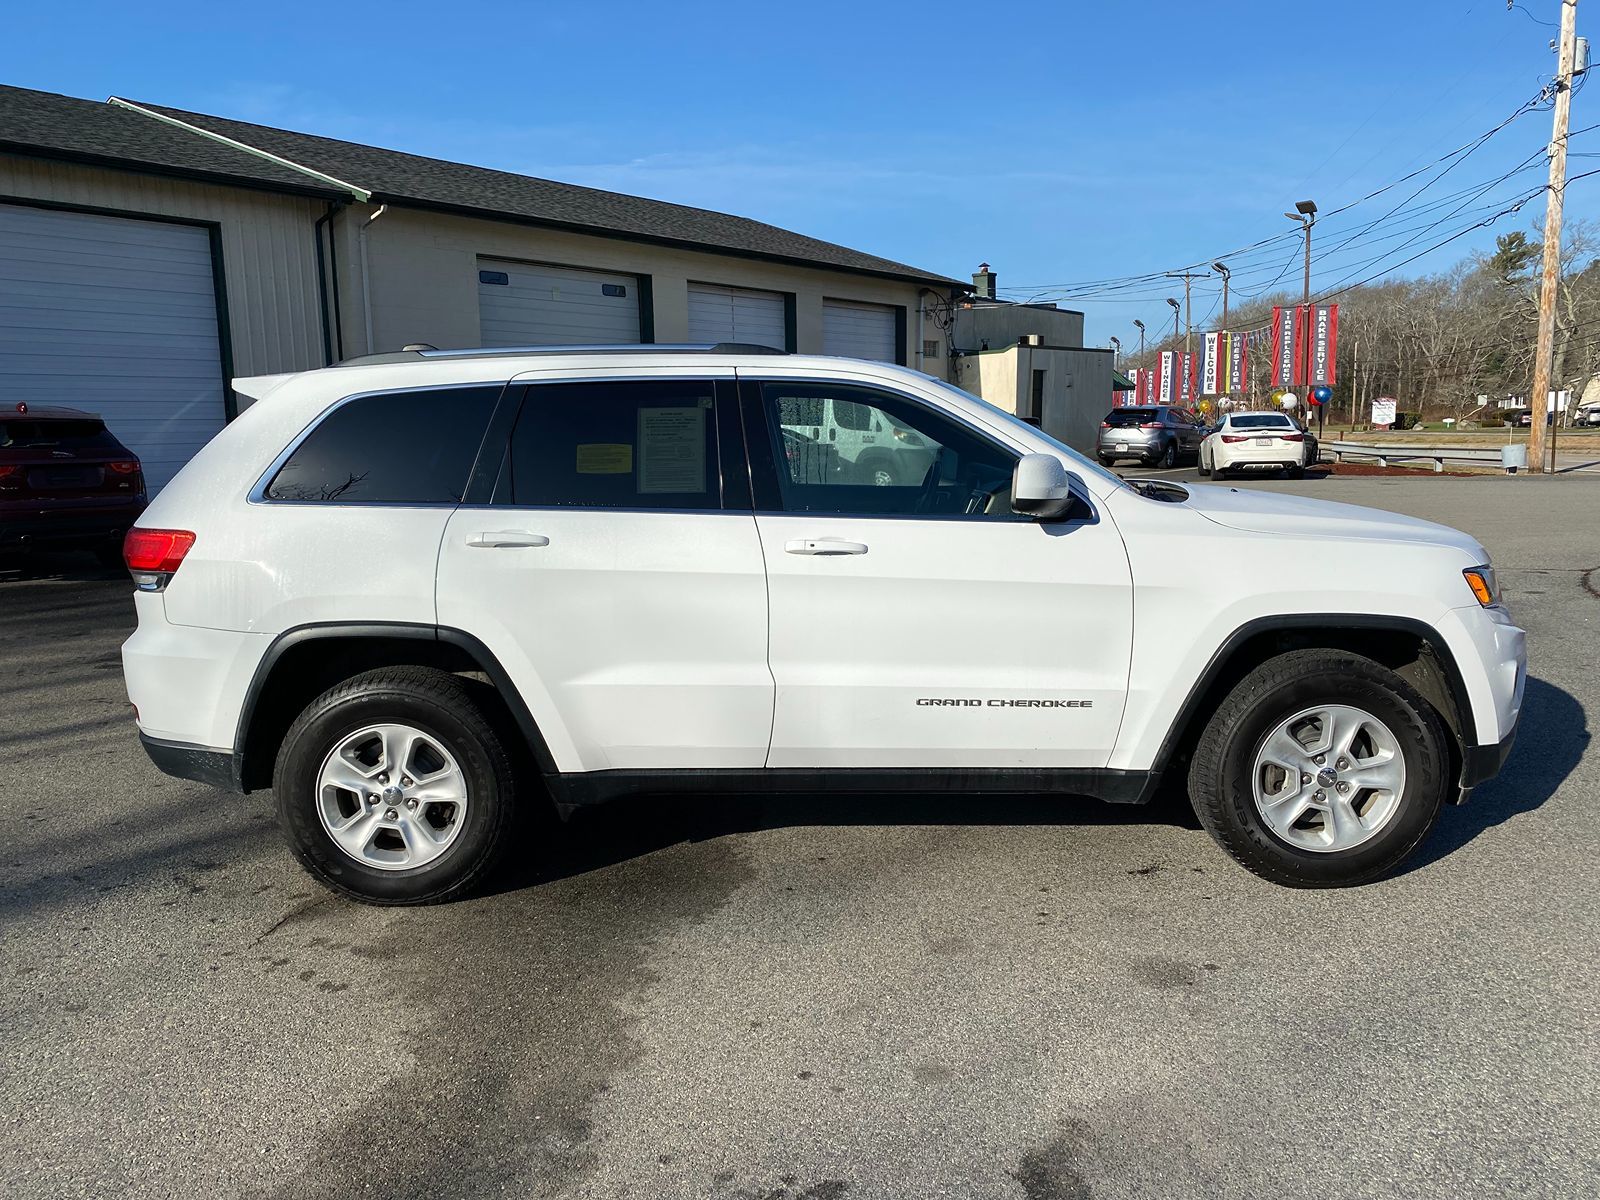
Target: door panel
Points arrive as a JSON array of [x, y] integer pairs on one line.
[[633, 618], [926, 635]]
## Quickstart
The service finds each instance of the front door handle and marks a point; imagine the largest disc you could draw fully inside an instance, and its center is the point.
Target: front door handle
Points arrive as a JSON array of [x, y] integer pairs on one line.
[[823, 546], [502, 539]]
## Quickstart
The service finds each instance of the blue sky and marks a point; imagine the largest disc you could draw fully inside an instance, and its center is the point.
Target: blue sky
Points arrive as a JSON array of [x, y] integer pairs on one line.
[[1060, 142]]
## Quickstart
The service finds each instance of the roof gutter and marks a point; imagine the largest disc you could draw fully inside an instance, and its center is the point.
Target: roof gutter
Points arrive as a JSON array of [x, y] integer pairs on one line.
[[361, 194]]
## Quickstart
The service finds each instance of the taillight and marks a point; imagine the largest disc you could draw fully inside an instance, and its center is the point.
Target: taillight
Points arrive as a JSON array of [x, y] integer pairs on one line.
[[8, 471], [123, 468], [1231, 438], [1293, 437], [154, 555], [1151, 425]]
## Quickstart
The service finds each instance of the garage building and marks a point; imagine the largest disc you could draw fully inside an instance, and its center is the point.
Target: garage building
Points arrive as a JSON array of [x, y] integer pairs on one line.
[[149, 255]]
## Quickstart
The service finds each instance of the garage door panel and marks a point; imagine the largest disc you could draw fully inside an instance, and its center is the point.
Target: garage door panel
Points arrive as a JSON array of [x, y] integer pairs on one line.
[[856, 330], [727, 314], [116, 316], [552, 306]]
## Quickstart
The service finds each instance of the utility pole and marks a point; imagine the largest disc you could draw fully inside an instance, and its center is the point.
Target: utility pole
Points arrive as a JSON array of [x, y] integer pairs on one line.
[[1543, 354]]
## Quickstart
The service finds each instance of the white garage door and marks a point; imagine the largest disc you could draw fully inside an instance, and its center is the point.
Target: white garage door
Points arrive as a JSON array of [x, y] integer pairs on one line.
[[725, 314], [524, 305], [859, 330], [118, 317]]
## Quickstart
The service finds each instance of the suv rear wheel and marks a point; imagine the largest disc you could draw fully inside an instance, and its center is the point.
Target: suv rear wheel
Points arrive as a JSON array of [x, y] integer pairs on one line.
[[1320, 769], [393, 788]]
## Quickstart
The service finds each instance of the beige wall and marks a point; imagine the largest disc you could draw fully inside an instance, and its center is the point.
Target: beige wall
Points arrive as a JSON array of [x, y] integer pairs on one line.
[[268, 252], [1077, 387], [424, 274]]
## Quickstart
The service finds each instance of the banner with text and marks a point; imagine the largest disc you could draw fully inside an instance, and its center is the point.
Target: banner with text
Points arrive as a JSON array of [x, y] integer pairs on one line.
[[1238, 373], [1323, 340], [1286, 329], [1167, 386], [1211, 381]]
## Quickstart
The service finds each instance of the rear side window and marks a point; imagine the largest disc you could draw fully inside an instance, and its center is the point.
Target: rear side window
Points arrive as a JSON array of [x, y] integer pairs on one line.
[[68, 433], [1119, 418], [391, 448], [631, 444]]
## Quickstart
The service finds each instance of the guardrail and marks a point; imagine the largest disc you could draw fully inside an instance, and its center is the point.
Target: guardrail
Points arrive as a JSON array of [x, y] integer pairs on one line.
[[1438, 455]]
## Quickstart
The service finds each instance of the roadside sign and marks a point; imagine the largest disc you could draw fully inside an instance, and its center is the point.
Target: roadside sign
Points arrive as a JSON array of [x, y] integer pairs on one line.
[[1383, 412]]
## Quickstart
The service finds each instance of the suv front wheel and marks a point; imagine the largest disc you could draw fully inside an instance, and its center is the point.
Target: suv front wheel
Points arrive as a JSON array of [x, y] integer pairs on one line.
[[1321, 768], [393, 788]]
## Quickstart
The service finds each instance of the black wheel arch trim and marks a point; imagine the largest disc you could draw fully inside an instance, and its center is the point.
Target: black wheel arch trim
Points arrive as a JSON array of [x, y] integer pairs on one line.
[[474, 649], [1364, 622]]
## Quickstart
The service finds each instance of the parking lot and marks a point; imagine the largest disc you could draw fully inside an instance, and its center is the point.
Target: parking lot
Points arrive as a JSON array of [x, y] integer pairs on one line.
[[783, 998]]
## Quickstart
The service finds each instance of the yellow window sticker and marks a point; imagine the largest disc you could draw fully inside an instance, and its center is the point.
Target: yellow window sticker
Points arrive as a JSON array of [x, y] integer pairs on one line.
[[605, 458]]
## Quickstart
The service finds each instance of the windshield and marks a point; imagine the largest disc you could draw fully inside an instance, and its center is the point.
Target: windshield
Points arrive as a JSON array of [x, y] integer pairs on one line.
[[1119, 418], [1260, 421], [1079, 463], [78, 433]]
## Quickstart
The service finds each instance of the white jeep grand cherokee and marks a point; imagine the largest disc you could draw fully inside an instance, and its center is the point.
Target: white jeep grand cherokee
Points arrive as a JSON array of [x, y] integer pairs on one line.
[[414, 591]]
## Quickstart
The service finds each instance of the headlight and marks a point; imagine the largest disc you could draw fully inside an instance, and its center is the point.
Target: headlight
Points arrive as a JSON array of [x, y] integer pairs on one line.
[[1481, 581]]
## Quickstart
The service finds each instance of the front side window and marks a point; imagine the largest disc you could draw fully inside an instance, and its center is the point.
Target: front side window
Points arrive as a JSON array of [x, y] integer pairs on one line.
[[390, 448], [880, 454], [631, 444]]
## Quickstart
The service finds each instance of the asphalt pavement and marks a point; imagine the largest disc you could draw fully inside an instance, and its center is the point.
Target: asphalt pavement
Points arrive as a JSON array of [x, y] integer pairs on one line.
[[853, 999]]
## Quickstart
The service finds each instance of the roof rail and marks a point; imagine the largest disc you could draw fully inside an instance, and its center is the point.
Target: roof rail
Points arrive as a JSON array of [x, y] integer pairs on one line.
[[413, 354]]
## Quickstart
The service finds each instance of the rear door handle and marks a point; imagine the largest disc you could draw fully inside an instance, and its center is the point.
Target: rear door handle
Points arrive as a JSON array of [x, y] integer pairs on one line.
[[823, 546], [502, 539]]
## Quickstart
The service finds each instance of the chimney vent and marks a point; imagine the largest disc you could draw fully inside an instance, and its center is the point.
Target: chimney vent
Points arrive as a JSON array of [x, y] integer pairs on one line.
[[983, 282]]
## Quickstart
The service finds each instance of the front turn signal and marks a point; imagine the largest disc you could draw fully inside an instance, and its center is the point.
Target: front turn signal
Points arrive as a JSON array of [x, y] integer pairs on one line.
[[1481, 581]]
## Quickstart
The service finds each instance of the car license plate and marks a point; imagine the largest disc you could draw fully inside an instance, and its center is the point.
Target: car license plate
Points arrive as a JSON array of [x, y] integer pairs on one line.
[[1122, 446], [1263, 441]]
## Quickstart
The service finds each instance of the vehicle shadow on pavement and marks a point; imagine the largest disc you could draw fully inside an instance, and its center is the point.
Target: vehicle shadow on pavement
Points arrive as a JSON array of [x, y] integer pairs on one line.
[[1552, 738], [631, 827], [63, 567]]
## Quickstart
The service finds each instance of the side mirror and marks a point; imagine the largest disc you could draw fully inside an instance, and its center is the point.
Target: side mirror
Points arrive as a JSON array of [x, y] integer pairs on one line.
[[1041, 487]]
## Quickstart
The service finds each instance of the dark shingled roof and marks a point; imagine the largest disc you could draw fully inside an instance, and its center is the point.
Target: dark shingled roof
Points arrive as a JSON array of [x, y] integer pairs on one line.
[[51, 126], [410, 179]]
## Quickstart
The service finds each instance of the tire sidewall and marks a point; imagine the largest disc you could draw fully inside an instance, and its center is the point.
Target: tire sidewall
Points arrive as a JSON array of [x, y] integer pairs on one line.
[[327, 724], [1420, 740]]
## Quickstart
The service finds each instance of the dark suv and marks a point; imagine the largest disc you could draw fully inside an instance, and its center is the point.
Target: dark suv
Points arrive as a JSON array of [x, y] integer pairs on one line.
[[1155, 434], [65, 482]]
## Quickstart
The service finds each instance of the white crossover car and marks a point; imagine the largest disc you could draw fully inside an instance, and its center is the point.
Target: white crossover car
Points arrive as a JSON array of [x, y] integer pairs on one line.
[[416, 592], [1249, 442]]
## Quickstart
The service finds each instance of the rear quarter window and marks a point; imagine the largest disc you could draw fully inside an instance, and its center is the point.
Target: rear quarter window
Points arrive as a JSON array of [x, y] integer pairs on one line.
[[390, 448]]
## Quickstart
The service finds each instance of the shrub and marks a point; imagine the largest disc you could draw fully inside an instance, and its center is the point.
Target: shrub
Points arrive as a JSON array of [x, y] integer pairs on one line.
[[1407, 420]]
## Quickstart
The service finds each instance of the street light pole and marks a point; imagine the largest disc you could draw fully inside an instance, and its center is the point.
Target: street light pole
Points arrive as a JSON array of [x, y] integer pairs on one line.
[[1175, 389], [1116, 351], [1139, 325], [1226, 275], [1305, 211]]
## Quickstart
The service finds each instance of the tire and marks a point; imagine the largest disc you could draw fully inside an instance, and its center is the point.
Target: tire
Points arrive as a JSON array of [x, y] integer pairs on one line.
[[1105, 460], [1223, 774], [878, 471], [1169, 456], [439, 708]]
